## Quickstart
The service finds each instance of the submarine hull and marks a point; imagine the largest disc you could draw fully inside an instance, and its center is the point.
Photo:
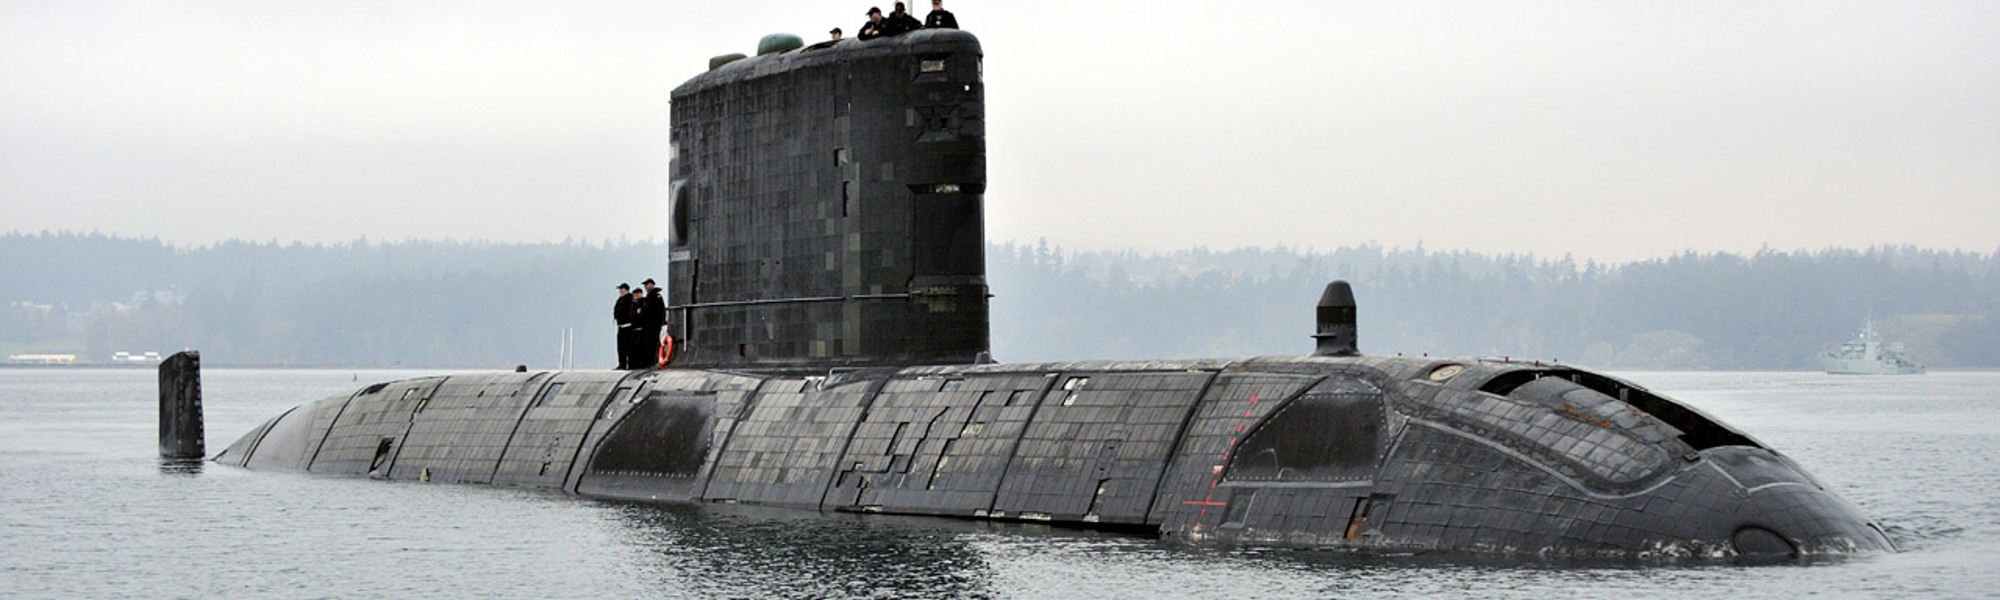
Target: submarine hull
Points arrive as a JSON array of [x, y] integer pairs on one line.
[[1370, 453]]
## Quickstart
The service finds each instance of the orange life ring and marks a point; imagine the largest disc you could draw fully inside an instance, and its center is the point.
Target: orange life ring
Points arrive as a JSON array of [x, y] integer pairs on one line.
[[666, 351]]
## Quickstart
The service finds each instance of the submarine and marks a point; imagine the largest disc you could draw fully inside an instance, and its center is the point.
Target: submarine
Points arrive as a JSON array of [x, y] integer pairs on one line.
[[829, 312]]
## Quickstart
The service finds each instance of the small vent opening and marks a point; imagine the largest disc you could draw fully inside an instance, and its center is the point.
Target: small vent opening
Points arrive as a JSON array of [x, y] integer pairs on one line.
[[382, 449]]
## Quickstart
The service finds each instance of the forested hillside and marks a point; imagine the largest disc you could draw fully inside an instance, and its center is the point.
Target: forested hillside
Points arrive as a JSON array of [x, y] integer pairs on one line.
[[487, 305], [1771, 310]]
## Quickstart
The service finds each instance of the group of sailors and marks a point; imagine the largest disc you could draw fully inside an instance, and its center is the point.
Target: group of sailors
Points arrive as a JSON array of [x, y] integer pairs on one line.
[[900, 22], [641, 314]]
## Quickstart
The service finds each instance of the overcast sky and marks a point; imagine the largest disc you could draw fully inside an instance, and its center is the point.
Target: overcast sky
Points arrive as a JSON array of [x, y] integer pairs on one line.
[[1612, 131]]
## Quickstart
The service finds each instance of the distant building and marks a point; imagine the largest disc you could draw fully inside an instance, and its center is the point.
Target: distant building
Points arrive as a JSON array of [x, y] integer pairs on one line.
[[41, 359]]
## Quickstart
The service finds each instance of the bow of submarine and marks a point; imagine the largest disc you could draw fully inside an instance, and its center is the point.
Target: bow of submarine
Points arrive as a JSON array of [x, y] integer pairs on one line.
[[1516, 458]]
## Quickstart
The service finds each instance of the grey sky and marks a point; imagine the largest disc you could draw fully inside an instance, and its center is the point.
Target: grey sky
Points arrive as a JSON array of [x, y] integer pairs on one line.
[[1607, 130]]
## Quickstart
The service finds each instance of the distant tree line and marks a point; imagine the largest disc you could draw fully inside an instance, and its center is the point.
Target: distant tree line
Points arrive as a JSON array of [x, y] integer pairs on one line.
[[1769, 310], [447, 304], [491, 305]]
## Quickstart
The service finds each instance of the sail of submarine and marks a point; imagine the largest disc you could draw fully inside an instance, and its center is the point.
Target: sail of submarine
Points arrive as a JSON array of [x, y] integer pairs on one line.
[[829, 301]]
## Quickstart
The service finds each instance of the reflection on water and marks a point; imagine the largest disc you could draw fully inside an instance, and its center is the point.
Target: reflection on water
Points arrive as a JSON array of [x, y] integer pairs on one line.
[[773, 553], [181, 466], [718, 551]]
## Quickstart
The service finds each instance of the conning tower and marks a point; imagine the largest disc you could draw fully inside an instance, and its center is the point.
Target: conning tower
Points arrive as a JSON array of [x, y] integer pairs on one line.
[[827, 207]]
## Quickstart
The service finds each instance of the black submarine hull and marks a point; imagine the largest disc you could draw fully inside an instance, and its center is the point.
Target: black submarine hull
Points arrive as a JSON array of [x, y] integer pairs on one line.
[[1373, 453]]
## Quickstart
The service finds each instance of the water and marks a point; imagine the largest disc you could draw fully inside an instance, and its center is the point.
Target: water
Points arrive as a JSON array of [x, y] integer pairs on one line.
[[88, 511]]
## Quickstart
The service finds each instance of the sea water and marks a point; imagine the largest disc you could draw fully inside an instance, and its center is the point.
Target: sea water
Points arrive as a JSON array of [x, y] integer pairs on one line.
[[87, 510]]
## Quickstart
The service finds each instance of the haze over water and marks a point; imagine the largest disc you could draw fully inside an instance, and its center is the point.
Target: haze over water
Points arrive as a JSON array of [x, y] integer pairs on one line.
[[87, 511]]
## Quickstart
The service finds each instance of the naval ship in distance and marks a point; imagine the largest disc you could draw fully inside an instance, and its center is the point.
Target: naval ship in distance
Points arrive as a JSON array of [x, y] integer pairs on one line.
[[829, 303]]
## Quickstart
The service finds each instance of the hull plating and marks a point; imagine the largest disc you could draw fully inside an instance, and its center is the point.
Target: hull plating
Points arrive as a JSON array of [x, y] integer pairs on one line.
[[1399, 454]]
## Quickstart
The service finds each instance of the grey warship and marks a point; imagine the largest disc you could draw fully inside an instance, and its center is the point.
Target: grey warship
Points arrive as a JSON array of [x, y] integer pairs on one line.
[[829, 303]]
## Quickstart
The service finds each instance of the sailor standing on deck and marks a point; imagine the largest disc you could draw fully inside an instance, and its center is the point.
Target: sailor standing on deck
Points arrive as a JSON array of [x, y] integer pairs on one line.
[[873, 28], [626, 313], [652, 318], [939, 17], [635, 355], [900, 22]]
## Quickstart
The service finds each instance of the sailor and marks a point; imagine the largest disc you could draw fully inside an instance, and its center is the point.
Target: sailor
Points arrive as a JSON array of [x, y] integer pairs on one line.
[[626, 313], [873, 28], [635, 354], [939, 17], [652, 318], [835, 33], [900, 22]]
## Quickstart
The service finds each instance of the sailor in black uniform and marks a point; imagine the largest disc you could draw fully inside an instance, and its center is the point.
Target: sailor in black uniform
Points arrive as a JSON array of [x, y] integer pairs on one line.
[[625, 312], [873, 28], [900, 22], [652, 318], [939, 17]]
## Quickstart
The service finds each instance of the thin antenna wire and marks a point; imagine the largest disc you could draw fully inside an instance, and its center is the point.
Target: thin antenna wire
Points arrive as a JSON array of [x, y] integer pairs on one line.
[[566, 359]]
